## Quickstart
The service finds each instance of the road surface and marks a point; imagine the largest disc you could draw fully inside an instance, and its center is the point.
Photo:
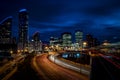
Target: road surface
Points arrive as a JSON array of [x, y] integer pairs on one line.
[[47, 70], [103, 70]]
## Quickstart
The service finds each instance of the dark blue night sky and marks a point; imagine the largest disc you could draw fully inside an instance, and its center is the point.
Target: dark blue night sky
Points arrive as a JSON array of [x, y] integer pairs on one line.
[[100, 18]]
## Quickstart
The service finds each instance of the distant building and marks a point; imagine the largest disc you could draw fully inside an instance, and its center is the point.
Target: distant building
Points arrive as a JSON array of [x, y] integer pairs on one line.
[[23, 29], [78, 38], [36, 42], [36, 36], [91, 41], [66, 39], [6, 30], [95, 42], [52, 41], [55, 43]]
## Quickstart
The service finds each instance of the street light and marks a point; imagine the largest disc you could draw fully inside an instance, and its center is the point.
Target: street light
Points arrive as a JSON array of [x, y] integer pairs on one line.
[[84, 44], [11, 52], [18, 51], [32, 40]]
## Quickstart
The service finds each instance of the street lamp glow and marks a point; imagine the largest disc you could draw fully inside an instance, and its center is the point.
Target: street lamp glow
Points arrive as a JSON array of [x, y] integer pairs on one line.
[[11, 52], [26, 50], [46, 47], [84, 43], [52, 46], [18, 51], [21, 50], [57, 46], [32, 40]]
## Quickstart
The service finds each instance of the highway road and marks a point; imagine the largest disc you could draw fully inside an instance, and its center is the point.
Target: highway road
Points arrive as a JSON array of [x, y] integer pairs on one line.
[[47, 70], [103, 69], [7, 70], [113, 60]]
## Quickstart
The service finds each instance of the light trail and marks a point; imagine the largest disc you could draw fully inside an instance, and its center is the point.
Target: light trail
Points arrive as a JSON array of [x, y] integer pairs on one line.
[[54, 59], [110, 60], [47, 70]]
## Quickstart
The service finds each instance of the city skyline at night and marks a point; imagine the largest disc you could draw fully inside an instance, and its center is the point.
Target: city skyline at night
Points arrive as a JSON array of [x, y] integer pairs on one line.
[[59, 39], [51, 18]]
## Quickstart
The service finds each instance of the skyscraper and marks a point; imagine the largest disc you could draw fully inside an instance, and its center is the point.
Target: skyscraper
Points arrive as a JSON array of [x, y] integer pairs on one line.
[[79, 37], [37, 44], [23, 28], [67, 39], [6, 40], [36, 36], [6, 30]]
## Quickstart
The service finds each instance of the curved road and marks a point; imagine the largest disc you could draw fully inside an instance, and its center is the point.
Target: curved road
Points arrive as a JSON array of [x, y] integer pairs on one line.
[[47, 70]]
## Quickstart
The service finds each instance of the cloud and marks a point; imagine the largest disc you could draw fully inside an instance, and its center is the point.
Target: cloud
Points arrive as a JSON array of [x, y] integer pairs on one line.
[[103, 8], [57, 16]]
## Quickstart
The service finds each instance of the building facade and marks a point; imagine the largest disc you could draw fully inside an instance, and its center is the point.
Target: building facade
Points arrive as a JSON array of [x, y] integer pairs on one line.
[[23, 29], [36, 44], [91, 41], [66, 39], [6, 30], [55, 43], [7, 43], [79, 38]]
